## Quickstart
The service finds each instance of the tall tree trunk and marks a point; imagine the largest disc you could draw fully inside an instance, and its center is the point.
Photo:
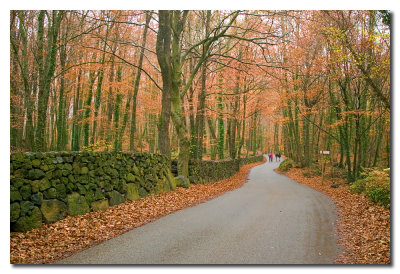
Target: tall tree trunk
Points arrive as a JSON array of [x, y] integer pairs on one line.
[[110, 102], [192, 124], [75, 144], [213, 138], [202, 96], [118, 99], [243, 127], [178, 119], [221, 128], [136, 86], [255, 145], [163, 49], [46, 71], [61, 130], [388, 147], [88, 103], [29, 86], [306, 140], [97, 99], [276, 137], [379, 138]]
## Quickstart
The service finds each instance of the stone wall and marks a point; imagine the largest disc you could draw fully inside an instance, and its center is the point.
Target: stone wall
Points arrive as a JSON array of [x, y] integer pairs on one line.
[[46, 187], [208, 171]]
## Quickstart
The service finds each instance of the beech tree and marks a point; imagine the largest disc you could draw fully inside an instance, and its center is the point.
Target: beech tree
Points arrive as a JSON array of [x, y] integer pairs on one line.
[[204, 84]]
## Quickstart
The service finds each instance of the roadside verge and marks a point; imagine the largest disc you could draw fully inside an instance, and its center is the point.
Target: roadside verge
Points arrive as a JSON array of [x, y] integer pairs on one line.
[[363, 227], [73, 234]]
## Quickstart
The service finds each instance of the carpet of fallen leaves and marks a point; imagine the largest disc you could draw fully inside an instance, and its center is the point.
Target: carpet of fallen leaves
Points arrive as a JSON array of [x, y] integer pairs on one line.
[[61, 239], [363, 228]]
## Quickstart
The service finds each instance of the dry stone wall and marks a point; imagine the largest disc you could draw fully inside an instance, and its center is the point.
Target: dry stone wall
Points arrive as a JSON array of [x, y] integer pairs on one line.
[[209, 171], [46, 187]]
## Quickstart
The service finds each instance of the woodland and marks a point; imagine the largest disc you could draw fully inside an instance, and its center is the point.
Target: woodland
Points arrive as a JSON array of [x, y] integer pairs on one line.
[[204, 84]]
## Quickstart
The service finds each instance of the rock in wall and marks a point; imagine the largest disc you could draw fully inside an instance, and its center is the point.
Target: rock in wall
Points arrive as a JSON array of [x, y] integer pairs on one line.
[[46, 187], [209, 171]]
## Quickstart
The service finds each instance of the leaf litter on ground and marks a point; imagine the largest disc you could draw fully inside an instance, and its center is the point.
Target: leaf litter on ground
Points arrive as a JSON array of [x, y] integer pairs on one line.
[[68, 236], [363, 227]]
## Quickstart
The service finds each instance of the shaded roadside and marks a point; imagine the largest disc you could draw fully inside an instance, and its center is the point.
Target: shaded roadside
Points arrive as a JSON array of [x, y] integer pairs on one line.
[[363, 228]]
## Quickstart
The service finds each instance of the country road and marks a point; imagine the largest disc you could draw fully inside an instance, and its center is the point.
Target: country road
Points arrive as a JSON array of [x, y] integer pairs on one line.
[[269, 220]]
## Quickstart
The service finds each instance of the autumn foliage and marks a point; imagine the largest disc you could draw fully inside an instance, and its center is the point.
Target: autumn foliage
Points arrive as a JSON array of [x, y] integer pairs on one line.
[[202, 85]]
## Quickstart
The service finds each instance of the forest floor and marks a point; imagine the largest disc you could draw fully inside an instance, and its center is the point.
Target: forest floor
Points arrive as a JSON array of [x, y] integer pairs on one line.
[[363, 227], [55, 241]]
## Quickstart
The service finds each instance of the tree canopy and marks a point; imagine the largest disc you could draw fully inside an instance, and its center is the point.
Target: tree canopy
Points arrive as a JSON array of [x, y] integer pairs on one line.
[[203, 84]]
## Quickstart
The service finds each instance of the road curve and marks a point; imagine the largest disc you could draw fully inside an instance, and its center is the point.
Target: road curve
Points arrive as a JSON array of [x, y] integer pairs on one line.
[[269, 220]]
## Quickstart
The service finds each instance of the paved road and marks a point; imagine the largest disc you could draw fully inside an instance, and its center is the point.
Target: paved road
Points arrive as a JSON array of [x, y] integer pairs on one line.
[[269, 220]]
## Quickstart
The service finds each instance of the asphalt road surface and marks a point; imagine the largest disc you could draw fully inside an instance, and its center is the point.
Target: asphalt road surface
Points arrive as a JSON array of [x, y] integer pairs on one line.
[[269, 220]]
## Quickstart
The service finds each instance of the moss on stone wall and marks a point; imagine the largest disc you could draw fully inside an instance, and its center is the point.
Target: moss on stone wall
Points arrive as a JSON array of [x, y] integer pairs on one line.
[[209, 171], [46, 187]]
